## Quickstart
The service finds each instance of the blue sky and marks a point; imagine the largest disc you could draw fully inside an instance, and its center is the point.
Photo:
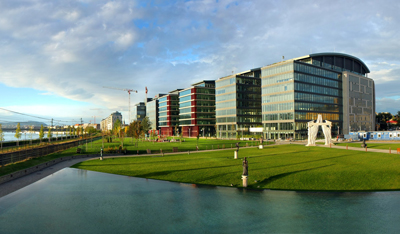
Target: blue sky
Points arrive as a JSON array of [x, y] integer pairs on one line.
[[56, 56]]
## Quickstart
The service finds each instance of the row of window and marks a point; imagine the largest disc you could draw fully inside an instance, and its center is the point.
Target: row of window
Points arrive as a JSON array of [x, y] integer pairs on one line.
[[220, 83], [278, 97], [248, 89], [277, 69], [186, 92], [317, 89], [317, 80], [162, 109], [226, 112], [205, 97], [278, 88], [256, 111], [225, 104], [278, 116], [248, 81], [307, 97], [226, 89], [316, 71], [277, 79], [225, 97], [278, 107], [248, 96], [184, 99], [226, 119], [206, 91], [278, 126], [316, 107], [313, 116]]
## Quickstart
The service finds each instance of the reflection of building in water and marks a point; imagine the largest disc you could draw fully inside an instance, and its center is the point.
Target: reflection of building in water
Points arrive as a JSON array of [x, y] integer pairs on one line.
[[82, 173]]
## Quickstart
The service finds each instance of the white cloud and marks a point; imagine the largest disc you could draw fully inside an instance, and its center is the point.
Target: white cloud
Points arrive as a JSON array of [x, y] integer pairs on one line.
[[74, 48]]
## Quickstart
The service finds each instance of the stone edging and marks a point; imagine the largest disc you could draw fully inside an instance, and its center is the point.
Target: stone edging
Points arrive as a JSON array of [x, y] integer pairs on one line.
[[27, 171]]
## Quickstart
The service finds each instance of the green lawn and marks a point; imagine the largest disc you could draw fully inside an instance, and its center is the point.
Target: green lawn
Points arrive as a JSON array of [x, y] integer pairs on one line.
[[292, 167], [373, 145], [94, 148]]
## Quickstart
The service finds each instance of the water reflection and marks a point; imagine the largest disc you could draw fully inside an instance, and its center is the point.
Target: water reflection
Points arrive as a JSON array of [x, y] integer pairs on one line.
[[79, 201]]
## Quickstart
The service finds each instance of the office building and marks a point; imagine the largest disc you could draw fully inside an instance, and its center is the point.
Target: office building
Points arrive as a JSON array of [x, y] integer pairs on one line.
[[238, 104], [139, 111], [197, 109], [334, 85], [168, 113], [152, 112]]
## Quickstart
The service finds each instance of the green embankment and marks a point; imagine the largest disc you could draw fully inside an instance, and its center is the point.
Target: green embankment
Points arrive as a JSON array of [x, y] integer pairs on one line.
[[291, 167], [131, 146]]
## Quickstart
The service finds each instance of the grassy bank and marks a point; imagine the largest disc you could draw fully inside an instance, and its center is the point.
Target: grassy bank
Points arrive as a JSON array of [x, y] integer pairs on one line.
[[292, 167], [132, 147]]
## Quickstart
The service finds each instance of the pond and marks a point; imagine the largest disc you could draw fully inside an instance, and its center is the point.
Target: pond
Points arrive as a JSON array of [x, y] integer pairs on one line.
[[79, 201]]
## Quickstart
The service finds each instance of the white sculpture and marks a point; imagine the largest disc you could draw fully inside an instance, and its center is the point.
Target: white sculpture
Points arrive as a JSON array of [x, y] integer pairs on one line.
[[313, 130]]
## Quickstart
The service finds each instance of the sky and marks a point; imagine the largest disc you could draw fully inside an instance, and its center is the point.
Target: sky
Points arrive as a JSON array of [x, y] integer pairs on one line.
[[56, 57]]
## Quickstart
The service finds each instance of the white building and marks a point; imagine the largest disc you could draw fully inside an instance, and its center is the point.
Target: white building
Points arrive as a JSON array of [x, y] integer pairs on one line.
[[108, 123]]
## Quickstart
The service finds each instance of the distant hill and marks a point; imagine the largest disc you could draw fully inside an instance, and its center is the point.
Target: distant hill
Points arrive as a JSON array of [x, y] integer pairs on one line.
[[23, 124]]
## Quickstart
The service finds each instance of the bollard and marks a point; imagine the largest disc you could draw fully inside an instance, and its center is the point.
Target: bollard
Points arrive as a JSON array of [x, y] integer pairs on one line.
[[366, 148], [137, 152], [235, 156], [347, 147], [161, 151], [189, 152], [244, 178], [390, 150]]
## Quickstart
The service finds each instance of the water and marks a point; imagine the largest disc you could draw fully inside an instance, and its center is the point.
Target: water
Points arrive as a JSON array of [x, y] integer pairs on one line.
[[79, 201], [10, 136]]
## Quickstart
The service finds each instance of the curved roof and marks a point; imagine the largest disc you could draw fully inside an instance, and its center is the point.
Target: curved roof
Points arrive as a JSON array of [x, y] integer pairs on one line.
[[342, 55]]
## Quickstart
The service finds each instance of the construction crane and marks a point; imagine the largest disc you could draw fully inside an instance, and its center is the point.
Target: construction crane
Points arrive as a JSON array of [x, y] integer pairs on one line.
[[129, 92]]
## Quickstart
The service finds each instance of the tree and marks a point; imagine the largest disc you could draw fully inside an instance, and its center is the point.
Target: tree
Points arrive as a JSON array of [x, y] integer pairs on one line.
[[1, 137], [117, 128], [49, 135], [18, 133], [135, 130], [146, 124], [41, 133], [74, 132]]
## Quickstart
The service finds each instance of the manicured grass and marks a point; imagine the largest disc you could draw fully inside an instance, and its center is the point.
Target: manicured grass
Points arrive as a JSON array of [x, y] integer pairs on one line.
[[94, 148], [291, 167], [373, 145]]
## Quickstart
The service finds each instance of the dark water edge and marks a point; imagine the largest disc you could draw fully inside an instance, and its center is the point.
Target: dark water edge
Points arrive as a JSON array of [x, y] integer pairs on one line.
[[80, 201]]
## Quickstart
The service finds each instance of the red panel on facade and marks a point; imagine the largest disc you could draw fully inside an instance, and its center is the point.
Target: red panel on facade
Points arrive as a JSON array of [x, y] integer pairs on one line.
[[168, 117], [194, 121], [168, 97], [194, 90], [168, 107], [193, 115], [193, 102]]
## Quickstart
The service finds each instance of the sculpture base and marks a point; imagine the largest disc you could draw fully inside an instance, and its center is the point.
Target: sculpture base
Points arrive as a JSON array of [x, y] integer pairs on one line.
[[261, 147], [244, 179], [235, 155]]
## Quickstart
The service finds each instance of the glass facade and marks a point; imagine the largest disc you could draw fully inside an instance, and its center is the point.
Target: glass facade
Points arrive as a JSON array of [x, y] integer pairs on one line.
[[238, 104], [197, 109], [294, 93], [151, 113], [139, 111]]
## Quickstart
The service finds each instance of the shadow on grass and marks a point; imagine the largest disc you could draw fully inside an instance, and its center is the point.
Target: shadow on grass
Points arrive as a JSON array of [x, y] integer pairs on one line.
[[280, 176], [164, 173]]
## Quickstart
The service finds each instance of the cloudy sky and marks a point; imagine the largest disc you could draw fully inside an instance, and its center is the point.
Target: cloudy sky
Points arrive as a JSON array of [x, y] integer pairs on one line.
[[56, 56]]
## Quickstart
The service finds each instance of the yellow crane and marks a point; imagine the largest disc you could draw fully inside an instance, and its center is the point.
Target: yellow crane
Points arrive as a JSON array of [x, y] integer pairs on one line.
[[129, 92]]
